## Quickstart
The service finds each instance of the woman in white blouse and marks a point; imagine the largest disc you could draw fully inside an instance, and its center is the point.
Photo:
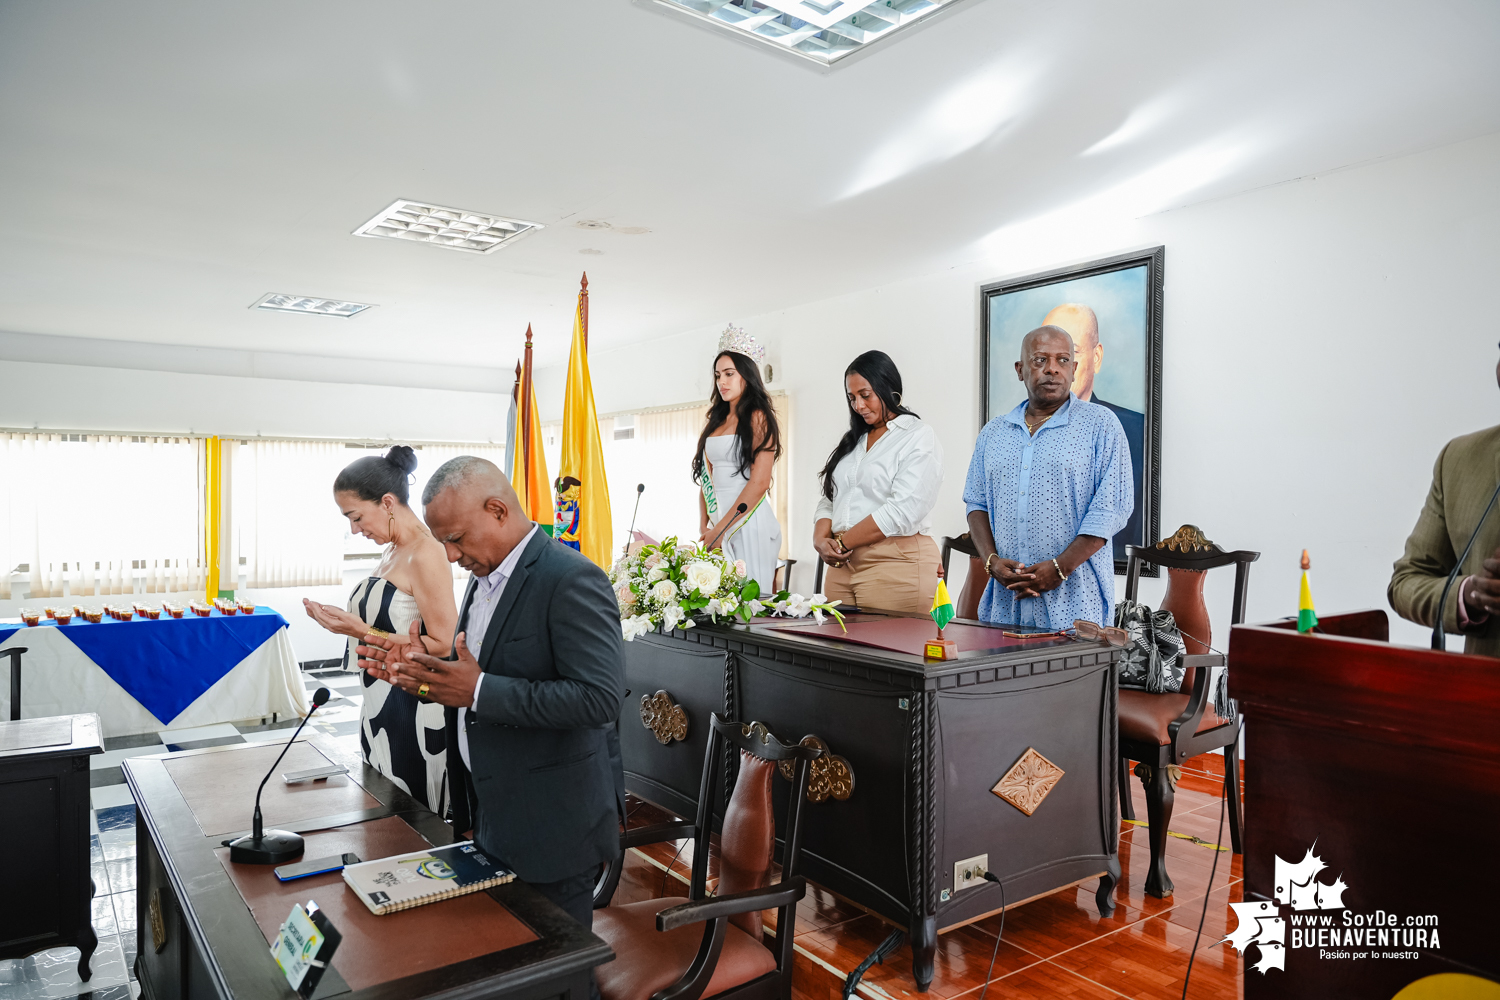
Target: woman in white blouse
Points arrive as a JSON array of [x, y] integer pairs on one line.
[[879, 488]]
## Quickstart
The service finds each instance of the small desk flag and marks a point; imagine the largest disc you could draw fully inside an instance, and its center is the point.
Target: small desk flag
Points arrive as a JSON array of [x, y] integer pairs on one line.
[[942, 606], [1307, 618]]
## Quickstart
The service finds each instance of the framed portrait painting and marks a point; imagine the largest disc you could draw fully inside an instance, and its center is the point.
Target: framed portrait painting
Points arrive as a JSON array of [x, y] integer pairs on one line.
[[1112, 309]]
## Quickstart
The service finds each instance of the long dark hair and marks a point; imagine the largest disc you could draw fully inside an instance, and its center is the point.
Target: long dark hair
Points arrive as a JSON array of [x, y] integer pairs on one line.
[[372, 477], [754, 399], [877, 368]]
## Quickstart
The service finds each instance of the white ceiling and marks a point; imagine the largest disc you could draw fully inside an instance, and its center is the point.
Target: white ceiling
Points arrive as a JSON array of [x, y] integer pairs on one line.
[[164, 165]]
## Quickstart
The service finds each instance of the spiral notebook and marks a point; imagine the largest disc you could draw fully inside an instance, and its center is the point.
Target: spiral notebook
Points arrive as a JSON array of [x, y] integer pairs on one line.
[[407, 880]]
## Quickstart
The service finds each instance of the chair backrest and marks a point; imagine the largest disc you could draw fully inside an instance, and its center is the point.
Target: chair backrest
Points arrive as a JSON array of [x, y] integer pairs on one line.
[[1189, 551], [748, 837], [963, 543]]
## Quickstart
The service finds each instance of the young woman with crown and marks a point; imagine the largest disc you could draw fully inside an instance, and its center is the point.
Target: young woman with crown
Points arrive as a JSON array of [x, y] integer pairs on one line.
[[736, 451]]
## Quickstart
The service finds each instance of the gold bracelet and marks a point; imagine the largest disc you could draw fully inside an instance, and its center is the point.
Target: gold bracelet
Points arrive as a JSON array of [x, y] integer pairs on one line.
[[1060, 573], [840, 539], [378, 633], [987, 560]]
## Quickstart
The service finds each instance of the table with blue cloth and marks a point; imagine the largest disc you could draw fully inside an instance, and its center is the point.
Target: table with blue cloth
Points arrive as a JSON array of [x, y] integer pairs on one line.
[[146, 675]]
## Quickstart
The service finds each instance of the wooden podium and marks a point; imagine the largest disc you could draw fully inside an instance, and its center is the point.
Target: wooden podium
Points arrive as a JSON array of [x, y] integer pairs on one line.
[[1387, 758]]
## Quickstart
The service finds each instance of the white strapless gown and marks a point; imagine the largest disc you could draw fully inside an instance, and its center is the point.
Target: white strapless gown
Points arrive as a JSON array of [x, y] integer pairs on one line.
[[754, 537]]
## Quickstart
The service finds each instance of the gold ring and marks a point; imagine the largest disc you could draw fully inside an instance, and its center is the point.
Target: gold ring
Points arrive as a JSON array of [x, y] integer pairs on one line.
[[422, 691]]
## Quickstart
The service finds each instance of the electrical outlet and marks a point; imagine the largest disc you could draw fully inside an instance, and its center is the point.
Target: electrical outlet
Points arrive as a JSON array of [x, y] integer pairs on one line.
[[970, 872]]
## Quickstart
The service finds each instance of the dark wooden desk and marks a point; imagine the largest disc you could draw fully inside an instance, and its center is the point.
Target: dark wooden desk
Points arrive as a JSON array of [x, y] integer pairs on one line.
[[44, 789], [925, 741], [208, 942], [1385, 760]]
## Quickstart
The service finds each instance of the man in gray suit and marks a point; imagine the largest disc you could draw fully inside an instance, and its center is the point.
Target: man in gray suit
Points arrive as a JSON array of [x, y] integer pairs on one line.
[[533, 685]]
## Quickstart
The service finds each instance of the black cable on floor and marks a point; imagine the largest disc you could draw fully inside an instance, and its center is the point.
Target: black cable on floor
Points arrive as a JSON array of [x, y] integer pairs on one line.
[[991, 877], [1218, 839]]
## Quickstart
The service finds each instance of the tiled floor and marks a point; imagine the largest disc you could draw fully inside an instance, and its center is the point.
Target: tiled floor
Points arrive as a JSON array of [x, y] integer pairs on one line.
[[54, 973], [1057, 946]]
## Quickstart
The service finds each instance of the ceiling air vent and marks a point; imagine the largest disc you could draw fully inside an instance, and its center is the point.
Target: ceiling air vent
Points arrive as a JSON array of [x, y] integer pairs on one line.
[[277, 302], [471, 232]]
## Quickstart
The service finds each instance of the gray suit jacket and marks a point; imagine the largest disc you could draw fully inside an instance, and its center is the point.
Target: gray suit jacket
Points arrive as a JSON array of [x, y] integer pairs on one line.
[[1462, 481], [544, 795]]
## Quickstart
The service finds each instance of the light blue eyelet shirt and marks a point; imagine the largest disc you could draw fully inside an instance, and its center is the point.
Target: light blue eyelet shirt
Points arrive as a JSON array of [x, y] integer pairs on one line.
[[1041, 491]]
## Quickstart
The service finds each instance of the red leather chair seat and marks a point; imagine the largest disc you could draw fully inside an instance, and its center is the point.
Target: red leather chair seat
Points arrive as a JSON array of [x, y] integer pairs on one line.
[[650, 960], [1144, 716]]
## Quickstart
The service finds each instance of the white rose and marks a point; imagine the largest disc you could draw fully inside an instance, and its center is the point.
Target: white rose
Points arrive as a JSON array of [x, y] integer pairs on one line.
[[664, 591], [739, 568], [638, 625], [658, 573], [702, 576]]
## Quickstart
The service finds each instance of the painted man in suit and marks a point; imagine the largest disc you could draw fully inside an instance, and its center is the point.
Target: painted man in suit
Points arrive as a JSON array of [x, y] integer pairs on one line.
[[1463, 480], [533, 686], [1083, 326]]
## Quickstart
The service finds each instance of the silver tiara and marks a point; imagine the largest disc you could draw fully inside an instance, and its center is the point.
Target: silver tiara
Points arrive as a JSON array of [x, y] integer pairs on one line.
[[737, 340]]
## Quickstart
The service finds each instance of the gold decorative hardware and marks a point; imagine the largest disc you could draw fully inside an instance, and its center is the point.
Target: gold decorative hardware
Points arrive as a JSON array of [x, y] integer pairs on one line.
[[756, 730], [1189, 538], [664, 717], [158, 923], [828, 776], [1029, 781]]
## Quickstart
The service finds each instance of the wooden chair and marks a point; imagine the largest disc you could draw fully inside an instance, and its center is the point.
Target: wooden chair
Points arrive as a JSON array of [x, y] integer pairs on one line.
[[784, 570], [1160, 731], [976, 580], [661, 953], [14, 653]]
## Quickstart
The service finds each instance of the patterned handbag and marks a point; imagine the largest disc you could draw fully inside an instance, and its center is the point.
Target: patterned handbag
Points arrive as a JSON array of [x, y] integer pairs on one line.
[[1152, 660]]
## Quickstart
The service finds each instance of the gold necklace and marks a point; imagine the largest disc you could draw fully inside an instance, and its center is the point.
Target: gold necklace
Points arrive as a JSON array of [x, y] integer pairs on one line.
[[1032, 429]]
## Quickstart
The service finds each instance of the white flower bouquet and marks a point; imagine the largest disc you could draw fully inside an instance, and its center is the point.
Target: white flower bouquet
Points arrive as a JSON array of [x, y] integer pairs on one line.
[[667, 585]]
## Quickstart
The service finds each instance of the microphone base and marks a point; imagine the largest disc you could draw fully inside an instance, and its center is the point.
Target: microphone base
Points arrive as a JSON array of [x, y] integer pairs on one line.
[[273, 848]]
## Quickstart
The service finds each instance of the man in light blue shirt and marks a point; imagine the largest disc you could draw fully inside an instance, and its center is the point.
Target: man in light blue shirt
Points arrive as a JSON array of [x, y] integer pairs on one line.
[[1049, 484]]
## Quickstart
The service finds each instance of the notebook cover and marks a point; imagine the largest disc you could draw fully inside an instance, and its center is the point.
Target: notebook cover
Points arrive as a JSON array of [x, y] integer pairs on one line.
[[387, 885]]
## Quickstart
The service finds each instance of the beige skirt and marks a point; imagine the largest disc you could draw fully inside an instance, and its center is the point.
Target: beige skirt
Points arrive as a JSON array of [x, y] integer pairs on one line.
[[895, 574]]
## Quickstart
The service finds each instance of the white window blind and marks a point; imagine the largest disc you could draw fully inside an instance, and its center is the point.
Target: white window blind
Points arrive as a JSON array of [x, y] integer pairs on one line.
[[283, 521], [98, 513]]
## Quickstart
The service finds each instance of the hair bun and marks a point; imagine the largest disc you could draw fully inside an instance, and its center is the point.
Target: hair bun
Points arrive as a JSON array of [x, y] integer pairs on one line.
[[402, 458]]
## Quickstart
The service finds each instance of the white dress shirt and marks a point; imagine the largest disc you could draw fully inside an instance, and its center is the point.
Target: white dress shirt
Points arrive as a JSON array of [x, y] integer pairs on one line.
[[897, 481], [487, 592]]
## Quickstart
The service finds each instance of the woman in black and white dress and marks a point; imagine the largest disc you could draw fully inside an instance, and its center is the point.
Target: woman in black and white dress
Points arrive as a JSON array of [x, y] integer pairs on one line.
[[401, 737]]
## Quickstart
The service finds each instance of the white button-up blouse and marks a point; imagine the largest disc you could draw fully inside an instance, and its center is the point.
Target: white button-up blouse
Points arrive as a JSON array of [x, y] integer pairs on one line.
[[897, 481]]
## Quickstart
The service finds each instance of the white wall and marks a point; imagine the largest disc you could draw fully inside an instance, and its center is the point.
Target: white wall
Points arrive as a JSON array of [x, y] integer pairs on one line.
[[1323, 339]]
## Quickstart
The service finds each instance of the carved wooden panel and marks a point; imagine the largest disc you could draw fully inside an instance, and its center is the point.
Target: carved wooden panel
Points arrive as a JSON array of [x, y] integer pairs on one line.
[[1028, 781]]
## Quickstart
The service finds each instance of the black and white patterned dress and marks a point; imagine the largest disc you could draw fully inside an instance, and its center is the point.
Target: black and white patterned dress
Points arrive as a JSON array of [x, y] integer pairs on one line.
[[400, 737]]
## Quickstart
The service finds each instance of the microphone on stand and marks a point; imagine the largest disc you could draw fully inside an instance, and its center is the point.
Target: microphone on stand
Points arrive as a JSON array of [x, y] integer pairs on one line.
[[272, 847], [639, 489], [727, 522], [1439, 634]]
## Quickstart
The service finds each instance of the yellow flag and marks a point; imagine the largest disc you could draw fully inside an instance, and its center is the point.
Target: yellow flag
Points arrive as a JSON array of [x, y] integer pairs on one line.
[[583, 517], [528, 471]]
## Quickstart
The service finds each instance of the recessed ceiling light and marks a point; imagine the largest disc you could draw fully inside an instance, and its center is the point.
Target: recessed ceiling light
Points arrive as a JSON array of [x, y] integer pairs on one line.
[[472, 232], [823, 31], [277, 302], [591, 224], [596, 252], [632, 230]]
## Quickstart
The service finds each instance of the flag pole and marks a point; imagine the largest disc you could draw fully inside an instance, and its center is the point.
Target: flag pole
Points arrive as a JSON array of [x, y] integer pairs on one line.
[[583, 299], [526, 392]]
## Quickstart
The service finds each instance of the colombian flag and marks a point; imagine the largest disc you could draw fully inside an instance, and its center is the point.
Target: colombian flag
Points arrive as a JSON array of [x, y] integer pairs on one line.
[[1307, 618], [942, 606], [583, 517]]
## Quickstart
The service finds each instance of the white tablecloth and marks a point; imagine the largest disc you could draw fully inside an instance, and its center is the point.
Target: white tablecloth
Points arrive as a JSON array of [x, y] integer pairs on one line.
[[58, 679]]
